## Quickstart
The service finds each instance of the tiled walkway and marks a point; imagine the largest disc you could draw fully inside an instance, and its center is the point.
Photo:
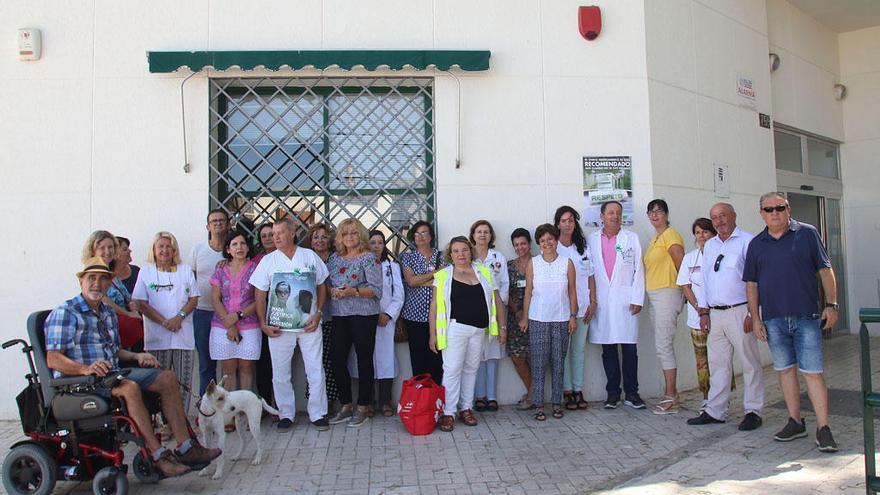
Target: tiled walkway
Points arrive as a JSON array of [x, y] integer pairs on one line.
[[624, 450]]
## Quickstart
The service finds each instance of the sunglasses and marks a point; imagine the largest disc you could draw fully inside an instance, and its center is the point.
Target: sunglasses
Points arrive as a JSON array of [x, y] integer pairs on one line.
[[771, 209], [718, 262]]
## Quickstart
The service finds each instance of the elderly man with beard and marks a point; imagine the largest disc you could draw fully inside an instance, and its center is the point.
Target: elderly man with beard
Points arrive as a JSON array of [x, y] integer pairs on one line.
[[82, 338]]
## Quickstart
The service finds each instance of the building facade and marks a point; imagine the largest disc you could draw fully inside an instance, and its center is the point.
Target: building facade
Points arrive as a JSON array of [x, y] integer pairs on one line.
[[95, 135]]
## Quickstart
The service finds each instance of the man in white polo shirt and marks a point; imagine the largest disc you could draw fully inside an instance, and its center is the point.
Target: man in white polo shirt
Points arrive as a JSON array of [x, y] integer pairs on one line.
[[203, 259], [300, 273], [724, 315]]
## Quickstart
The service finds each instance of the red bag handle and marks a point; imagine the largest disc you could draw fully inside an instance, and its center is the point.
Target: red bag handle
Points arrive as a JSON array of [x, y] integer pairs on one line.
[[423, 378]]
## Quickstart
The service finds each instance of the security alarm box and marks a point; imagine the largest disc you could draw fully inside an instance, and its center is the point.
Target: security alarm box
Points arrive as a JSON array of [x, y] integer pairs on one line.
[[29, 44]]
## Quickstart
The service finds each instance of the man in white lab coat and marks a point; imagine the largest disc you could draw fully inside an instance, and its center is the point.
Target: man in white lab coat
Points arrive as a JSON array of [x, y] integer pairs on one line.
[[620, 295]]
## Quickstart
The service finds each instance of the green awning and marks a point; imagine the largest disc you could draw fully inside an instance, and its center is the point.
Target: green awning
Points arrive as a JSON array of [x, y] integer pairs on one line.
[[468, 60]]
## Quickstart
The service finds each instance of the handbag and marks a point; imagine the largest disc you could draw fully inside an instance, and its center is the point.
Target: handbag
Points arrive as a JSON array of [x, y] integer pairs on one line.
[[131, 331], [421, 404], [400, 334]]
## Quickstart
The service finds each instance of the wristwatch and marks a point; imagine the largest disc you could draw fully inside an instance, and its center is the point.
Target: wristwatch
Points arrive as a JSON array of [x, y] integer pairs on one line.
[[834, 306], [181, 313]]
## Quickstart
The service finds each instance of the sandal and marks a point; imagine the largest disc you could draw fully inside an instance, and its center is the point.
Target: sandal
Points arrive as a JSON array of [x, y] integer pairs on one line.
[[480, 405], [539, 414], [524, 404], [570, 403], [668, 405], [557, 411], [492, 405], [579, 400], [467, 417], [447, 423]]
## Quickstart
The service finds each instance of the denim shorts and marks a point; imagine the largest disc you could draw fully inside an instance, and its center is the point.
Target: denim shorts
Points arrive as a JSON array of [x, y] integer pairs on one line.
[[144, 377], [795, 340]]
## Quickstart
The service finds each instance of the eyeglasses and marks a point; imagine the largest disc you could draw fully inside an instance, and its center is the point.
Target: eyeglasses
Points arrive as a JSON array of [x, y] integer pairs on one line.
[[718, 262], [655, 212], [422, 234], [218, 221], [771, 209]]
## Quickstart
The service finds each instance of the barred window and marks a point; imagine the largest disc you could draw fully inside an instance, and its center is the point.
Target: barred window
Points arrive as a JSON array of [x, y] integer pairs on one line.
[[322, 150]]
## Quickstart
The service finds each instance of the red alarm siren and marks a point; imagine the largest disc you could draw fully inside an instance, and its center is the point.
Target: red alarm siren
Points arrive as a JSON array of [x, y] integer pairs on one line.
[[590, 21]]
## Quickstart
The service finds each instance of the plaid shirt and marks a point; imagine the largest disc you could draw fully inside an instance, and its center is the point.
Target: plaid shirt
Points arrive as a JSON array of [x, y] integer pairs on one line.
[[82, 334]]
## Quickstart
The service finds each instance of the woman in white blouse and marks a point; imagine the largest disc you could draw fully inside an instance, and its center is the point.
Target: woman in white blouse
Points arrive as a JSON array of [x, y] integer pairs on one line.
[[691, 281], [166, 293]]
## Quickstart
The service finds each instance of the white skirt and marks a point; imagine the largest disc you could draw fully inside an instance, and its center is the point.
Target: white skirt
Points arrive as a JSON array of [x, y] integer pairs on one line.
[[222, 348]]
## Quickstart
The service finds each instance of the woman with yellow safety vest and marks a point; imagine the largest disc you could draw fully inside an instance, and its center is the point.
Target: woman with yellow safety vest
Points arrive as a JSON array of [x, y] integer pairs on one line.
[[463, 309]]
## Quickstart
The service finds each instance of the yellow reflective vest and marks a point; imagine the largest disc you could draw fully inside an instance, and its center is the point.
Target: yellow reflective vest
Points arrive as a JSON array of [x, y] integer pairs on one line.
[[443, 292]]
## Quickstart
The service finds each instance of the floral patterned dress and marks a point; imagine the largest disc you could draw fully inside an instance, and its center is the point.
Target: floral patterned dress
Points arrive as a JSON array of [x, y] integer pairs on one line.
[[517, 340]]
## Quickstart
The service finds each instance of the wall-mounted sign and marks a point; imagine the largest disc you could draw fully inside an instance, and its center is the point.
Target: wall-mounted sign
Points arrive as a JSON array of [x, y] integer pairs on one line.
[[607, 178], [722, 180], [764, 120], [745, 92]]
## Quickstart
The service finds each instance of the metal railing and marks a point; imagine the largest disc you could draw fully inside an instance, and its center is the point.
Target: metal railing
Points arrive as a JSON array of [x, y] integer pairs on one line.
[[870, 399]]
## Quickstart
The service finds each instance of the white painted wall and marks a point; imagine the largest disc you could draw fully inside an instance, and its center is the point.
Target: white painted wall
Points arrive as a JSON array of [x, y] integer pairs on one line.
[[696, 50], [92, 140], [803, 85], [860, 72]]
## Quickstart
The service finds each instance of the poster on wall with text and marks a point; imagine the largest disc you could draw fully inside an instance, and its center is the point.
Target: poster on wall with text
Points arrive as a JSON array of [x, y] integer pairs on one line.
[[607, 178]]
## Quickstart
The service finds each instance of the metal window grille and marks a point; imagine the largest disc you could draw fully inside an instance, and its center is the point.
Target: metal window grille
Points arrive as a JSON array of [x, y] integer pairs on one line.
[[324, 149]]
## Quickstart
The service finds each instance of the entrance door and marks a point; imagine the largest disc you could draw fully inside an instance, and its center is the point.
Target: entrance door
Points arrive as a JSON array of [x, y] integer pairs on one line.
[[824, 213]]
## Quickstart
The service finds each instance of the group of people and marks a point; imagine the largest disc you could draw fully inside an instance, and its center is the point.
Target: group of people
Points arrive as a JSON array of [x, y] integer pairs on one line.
[[341, 297]]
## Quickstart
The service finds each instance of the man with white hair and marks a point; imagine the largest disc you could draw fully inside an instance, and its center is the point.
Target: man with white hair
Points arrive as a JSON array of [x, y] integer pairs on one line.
[[724, 315]]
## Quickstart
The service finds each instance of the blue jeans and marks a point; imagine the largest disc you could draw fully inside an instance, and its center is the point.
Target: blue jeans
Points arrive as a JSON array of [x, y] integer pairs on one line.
[[795, 340], [573, 377], [487, 379], [611, 363], [202, 331]]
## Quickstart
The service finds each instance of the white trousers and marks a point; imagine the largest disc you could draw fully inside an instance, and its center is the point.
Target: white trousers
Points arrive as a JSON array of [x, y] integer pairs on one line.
[[665, 307], [281, 349], [461, 359], [726, 335]]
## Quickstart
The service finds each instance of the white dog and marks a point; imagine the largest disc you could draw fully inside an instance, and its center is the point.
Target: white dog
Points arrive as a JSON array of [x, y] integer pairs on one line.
[[218, 407]]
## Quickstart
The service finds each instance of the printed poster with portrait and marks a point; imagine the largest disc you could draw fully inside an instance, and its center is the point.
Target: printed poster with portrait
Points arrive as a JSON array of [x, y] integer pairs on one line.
[[607, 178], [292, 299]]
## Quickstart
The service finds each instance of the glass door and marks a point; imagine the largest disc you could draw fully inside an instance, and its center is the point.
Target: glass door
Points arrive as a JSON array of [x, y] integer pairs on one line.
[[824, 214]]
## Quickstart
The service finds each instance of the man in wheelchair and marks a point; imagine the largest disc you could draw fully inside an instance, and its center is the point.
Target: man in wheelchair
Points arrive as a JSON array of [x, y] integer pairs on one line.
[[82, 338]]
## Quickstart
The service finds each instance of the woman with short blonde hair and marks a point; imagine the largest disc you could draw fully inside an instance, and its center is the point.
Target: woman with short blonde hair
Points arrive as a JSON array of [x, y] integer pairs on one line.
[[347, 226], [104, 245], [355, 291], [167, 295]]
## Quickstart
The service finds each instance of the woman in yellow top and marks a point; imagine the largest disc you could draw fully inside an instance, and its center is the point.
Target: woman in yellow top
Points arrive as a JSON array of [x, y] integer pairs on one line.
[[662, 261]]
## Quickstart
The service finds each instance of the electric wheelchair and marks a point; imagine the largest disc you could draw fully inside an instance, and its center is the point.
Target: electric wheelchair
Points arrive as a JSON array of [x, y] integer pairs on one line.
[[74, 431]]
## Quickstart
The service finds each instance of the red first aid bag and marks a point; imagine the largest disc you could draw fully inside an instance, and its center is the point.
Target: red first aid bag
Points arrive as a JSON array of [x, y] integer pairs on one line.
[[421, 404]]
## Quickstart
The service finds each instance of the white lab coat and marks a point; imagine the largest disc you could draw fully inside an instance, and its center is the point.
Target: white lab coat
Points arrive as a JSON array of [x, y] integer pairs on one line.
[[384, 362], [613, 322], [497, 264]]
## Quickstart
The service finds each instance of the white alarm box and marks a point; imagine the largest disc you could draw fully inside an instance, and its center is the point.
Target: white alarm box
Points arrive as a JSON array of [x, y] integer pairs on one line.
[[29, 44]]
